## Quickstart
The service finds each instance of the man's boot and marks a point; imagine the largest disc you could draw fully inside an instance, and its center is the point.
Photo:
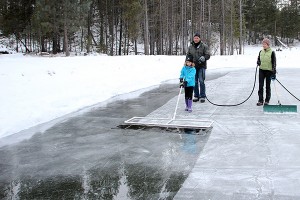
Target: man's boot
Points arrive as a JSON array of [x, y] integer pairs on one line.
[[196, 99]]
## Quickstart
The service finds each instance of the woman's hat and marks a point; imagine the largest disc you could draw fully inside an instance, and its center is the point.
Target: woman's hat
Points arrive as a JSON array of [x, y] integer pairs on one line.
[[266, 41]]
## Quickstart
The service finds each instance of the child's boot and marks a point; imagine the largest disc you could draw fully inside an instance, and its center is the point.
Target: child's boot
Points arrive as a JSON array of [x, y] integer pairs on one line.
[[190, 101], [186, 105]]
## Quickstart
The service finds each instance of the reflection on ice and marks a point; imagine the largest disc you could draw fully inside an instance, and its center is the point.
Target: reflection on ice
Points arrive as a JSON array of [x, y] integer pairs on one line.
[[138, 172]]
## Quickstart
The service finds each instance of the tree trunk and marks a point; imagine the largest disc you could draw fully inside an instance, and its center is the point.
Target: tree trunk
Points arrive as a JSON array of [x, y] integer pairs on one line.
[[146, 29], [191, 16], [209, 23], [241, 28], [135, 47], [120, 38], [66, 41], [182, 27], [81, 41], [89, 40], [231, 28], [43, 44], [222, 29], [19, 39], [55, 44]]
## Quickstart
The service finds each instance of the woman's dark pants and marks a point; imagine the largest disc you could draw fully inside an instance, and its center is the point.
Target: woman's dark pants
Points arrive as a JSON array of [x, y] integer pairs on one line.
[[264, 75]]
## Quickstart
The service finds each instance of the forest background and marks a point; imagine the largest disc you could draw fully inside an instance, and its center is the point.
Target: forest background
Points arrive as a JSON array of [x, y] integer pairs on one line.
[[149, 27]]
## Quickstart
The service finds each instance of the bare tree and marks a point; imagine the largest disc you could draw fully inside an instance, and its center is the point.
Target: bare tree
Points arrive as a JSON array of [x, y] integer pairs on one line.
[[146, 29], [222, 28], [241, 27]]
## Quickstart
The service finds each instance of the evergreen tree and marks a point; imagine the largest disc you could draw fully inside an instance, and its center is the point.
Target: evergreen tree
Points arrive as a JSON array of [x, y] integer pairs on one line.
[[164, 27], [260, 18], [58, 19], [15, 15], [131, 14], [289, 22]]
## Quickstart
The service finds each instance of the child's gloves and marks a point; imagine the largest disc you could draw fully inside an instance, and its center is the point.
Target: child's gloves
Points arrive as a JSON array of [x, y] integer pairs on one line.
[[181, 82]]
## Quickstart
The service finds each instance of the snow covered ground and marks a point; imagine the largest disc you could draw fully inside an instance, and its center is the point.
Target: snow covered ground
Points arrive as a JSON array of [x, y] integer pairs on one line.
[[35, 89]]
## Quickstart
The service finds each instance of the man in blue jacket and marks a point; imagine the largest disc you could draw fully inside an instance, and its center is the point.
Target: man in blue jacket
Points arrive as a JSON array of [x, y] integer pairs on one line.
[[200, 53]]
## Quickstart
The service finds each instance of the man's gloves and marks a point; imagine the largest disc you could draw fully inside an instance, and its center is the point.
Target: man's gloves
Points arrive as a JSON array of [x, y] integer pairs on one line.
[[201, 59], [182, 83], [258, 62]]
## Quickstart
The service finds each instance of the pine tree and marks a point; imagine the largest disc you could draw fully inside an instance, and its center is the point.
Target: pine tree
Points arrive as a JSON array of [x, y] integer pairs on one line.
[[15, 17]]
